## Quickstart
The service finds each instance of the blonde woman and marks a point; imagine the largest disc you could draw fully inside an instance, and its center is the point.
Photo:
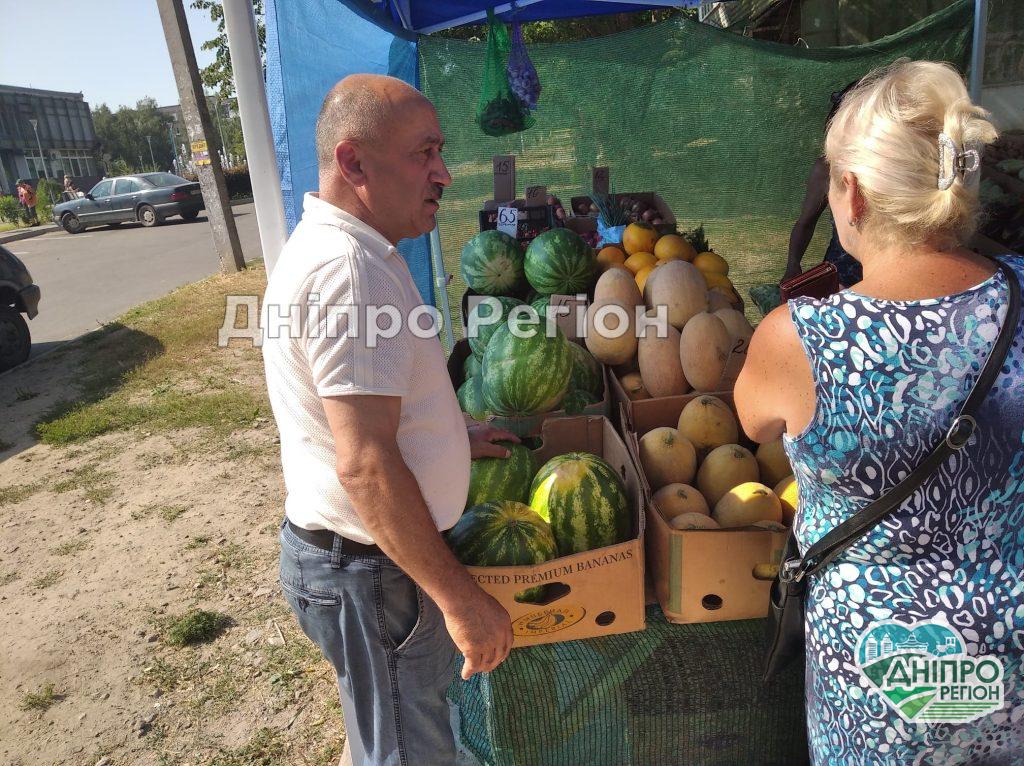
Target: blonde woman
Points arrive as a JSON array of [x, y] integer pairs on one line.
[[862, 385]]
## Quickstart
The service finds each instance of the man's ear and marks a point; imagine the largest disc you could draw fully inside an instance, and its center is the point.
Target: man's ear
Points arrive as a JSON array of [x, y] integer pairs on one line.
[[347, 157]]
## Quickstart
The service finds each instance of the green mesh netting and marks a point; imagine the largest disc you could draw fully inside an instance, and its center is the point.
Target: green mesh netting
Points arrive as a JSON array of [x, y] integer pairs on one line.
[[725, 128], [672, 694]]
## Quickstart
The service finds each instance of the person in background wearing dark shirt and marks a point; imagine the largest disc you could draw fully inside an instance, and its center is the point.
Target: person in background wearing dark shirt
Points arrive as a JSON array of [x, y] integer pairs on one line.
[[815, 202]]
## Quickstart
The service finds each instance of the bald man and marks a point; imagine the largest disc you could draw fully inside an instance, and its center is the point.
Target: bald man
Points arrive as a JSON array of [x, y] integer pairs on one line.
[[374, 448]]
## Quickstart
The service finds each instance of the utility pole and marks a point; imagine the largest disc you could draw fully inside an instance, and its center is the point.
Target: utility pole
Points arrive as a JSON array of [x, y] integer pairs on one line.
[[198, 126], [149, 140]]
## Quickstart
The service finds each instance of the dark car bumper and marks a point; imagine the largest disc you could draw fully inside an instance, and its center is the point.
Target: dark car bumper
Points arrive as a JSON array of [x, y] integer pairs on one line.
[[167, 209], [29, 297]]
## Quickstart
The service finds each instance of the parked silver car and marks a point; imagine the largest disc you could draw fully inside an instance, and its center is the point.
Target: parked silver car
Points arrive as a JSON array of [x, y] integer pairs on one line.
[[146, 197]]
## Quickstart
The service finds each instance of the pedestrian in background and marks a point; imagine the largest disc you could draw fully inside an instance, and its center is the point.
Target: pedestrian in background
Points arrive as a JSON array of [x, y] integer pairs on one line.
[[27, 198]]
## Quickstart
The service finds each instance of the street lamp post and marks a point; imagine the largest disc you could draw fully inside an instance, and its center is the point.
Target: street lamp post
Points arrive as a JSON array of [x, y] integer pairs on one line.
[[35, 129], [149, 140]]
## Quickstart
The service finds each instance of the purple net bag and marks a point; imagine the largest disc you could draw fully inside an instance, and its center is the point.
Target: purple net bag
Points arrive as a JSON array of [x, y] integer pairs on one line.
[[522, 77]]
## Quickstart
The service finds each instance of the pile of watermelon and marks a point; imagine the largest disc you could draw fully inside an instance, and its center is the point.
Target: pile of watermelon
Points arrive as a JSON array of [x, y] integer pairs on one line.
[[517, 515], [535, 369]]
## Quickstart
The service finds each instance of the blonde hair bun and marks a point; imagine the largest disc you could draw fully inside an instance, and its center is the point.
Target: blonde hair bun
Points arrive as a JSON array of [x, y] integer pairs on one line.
[[886, 133]]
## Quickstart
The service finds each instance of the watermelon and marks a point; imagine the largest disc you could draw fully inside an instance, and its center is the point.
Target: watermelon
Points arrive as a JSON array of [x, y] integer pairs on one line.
[[480, 334], [586, 372], [471, 400], [584, 500], [525, 375], [471, 367], [502, 534], [496, 478], [577, 400], [559, 261], [492, 263]]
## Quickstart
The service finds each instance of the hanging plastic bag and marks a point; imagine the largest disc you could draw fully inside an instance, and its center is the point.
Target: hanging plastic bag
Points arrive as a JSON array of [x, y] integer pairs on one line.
[[499, 111], [522, 76]]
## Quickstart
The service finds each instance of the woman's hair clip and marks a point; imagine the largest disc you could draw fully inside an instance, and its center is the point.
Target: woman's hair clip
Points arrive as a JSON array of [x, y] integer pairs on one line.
[[955, 162]]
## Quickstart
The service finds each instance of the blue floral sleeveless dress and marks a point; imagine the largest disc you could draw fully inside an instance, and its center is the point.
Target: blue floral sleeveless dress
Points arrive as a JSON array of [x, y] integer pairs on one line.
[[943, 576]]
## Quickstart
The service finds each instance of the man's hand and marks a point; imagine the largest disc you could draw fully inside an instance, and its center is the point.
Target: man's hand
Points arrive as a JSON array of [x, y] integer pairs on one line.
[[481, 630], [482, 438]]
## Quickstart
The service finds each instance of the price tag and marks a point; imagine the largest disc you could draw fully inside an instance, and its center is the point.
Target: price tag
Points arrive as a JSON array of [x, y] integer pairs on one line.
[[508, 220], [536, 196], [504, 177]]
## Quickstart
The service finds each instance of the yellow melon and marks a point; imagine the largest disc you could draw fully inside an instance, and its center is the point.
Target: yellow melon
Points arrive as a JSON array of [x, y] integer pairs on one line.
[[680, 288], [747, 504], [675, 499], [659, 363], [708, 423], [738, 326], [789, 496], [722, 282], [633, 385], [771, 526], [704, 349], [717, 301], [611, 332], [639, 238], [711, 262], [773, 462], [610, 255], [642, 275], [639, 261], [693, 521], [667, 457], [617, 285], [731, 296], [725, 467], [672, 247]]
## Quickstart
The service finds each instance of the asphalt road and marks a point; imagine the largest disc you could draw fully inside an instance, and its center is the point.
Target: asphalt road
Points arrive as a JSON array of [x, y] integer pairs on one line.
[[89, 279]]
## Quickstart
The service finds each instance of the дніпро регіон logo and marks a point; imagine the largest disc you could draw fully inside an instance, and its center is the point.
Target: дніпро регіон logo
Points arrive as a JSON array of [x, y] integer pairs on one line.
[[924, 673]]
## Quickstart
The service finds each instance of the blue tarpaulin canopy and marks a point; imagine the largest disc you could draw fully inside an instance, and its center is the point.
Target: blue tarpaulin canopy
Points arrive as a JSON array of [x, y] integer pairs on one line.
[[429, 16]]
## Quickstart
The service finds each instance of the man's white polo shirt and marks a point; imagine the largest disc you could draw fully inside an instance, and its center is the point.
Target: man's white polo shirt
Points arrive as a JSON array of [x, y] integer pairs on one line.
[[332, 268]]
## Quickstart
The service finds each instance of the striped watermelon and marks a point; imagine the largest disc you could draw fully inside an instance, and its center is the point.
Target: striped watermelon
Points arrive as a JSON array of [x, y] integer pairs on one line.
[[559, 261], [492, 263], [584, 499], [471, 400], [471, 367], [577, 400], [480, 334], [502, 534], [586, 372], [525, 376], [496, 478]]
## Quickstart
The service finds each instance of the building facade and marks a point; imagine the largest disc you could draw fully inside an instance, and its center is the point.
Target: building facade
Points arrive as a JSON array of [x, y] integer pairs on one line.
[[46, 134]]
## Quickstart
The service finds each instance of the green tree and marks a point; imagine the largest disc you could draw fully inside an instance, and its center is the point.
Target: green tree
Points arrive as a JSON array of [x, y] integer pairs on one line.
[[568, 30], [218, 75], [124, 135]]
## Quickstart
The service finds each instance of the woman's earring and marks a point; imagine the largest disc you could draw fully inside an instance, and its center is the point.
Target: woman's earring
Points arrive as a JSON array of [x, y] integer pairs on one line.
[[853, 222]]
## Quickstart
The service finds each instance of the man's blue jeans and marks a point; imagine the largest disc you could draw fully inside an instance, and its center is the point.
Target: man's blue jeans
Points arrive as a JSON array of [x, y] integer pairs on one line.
[[388, 644]]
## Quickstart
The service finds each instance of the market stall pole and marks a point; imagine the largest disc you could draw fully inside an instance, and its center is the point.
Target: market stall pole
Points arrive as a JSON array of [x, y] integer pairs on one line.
[[240, 25], [978, 49], [198, 125]]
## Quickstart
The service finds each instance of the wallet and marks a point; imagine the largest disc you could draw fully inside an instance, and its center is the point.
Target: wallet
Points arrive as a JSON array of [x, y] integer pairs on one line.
[[819, 282]]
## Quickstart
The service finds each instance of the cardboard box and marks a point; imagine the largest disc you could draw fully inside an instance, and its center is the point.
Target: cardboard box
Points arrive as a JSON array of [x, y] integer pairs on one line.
[[533, 219], [701, 575], [530, 425], [650, 410], [651, 198], [596, 593]]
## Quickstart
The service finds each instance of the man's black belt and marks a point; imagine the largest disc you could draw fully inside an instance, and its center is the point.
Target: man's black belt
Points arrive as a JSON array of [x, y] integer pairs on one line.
[[324, 539]]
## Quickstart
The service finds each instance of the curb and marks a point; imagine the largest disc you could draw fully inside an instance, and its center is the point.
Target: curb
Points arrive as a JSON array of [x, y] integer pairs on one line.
[[35, 231]]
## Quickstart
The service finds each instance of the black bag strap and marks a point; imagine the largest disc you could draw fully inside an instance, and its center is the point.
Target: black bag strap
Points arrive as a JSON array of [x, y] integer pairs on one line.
[[841, 537]]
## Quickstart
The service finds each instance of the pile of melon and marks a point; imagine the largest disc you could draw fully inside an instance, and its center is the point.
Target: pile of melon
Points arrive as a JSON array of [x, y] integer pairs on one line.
[[519, 515], [521, 364], [701, 477], [665, 276]]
